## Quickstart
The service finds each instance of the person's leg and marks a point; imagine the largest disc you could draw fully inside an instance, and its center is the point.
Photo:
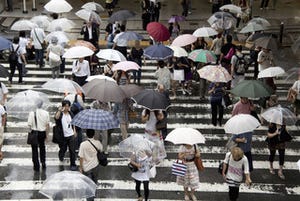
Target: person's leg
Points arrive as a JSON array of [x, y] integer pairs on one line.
[[146, 189], [53, 72], [250, 161], [139, 76], [214, 113], [138, 188], [104, 140], [186, 193], [62, 149], [124, 132], [71, 145], [271, 160], [41, 138], [12, 72], [194, 198], [41, 58], [221, 112], [281, 163], [134, 76], [35, 159], [78, 138], [1, 141], [20, 70], [36, 53], [233, 193]]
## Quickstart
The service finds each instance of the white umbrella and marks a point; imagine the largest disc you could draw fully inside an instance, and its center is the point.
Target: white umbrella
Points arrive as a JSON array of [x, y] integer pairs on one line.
[[23, 25], [185, 136], [111, 55], [231, 8], [60, 35], [205, 32], [78, 52], [241, 123], [271, 72], [252, 27], [99, 77], [93, 6], [178, 51], [63, 24], [43, 19], [126, 66], [62, 85], [184, 39], [58, 6], [280, 115], [259, 20], [89, 16]]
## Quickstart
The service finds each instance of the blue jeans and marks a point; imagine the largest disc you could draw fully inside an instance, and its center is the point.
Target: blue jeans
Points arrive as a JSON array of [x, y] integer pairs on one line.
[[39, 56]]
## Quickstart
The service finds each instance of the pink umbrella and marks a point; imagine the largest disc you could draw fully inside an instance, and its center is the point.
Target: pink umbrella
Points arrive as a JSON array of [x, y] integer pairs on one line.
[[183, 40], [126, 66], [214, 73]]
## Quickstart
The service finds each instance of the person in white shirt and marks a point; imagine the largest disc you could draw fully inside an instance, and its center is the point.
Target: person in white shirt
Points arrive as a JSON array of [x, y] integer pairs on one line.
[[216, 46], [2, 123], [119, 43], [296, 88], [265, 59], [37, 36], [39, 120], [54, 53], [163, 76], [3, 94], [81, 71]]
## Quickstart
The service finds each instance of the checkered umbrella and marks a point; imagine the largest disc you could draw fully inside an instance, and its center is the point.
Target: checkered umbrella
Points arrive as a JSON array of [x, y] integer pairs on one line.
[[95, 119]]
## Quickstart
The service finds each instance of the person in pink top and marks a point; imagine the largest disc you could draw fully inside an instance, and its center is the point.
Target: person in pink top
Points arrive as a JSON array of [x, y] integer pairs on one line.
[[244, 106]]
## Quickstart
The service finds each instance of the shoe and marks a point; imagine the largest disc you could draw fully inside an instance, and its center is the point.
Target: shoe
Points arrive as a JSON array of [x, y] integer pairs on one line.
[[183, 92], [186, 198], [73, 168], [272, 171], [194, 197], [281, 176], [188, 92], [140, 199], [61, 162]]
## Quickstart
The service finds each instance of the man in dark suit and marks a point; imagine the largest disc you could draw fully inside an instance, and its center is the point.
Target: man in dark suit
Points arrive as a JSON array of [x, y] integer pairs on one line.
[[90, 32]]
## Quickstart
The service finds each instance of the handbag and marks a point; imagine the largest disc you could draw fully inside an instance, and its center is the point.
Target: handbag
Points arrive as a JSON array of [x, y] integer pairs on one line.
[[32, 137], [102, 158], [57, 135], [285, 136], [198, 161], [179, 168], [220, 169], [54, 57], [132, 167]]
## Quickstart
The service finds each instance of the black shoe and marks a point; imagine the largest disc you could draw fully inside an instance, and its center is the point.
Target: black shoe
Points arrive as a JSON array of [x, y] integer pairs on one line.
[[73, 168]]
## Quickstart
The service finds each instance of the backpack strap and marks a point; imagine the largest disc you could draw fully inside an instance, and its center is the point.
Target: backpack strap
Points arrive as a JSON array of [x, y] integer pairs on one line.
[[75, 100]]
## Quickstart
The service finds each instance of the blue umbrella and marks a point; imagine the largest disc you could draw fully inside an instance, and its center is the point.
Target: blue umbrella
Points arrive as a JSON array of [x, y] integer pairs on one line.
[[130, 35], [158, 52], [95, 119], [4, 43]]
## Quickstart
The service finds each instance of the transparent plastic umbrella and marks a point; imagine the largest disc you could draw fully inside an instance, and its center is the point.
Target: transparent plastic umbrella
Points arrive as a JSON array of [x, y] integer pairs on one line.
[[280, 115], [68, 185], [43, 19], [23, 25], [89, 16], [93, 6], [78, 52], [241, 123], [63, 24], [111, 55], [189, 136], [62, 85]]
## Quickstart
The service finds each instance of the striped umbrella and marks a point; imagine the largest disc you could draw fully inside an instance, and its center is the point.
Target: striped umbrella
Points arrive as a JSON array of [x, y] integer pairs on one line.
[[204, 56], [214, 73]]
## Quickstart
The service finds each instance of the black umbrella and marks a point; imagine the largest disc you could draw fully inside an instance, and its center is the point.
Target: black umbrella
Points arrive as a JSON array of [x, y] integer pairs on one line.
[[3, 71], [152, 100], [121, 15]]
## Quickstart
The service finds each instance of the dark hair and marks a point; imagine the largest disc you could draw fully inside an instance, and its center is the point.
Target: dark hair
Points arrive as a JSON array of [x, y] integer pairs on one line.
[[54, 16], [16, 40], [239, 48], [65, 102], [229, 38], [161, 63], [90, 133], [22, 34], [122, 27]]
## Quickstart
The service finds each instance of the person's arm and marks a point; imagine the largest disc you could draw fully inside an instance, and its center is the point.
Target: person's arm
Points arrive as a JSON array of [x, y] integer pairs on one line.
[[4, 98], [271, 135], [81, 164]]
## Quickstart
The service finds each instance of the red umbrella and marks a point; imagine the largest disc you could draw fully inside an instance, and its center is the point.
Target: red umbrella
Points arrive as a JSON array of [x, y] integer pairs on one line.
[[158, 31]]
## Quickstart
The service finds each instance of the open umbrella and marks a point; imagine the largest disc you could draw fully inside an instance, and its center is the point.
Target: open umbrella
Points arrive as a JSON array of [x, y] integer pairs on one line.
[[60, 35], [101, 77], [204, 56], [126, 66], [95, 119], [41, 19], [5, 43], [231, 8], [78, 52], [131, 90], [84, 43], [62, 85], [261, 21], [214, 73], [3, 71], [266, 42], [121, 15], [189, 136], [295, 46], [110, 55], [58, 6], [131, 35], [93, 6], [271, 72], [222, 20], [89, 16], [158, 52], [241, 123], [251, 89], [61, 24], [23, 25], [205, 32], [158, 31], [176, 18], [178, 51], [280, 115], [183, 40], [68, 185], [152, 100], [104, 90], [252, 27]]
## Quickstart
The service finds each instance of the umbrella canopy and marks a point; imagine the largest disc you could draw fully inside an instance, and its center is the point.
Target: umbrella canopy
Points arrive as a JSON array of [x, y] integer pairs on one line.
[[183, 40], [89, 16], [252, 27], [241, 123], [41, 19], [3, 71], [176, 18], [214, 73], [93, 6], [131, 35], [280, 115], [204, 56], [126, 66], [189, 136], [158, 52], [60, 35], [58, 6], [292, 74], [222, 20], [5, 43], [84, 43], [62, 85], [152, 100], [61, 24], [271, 72], [78, 52], [121, 15], [131, 90], [205, 32], [251, 89], [95, 119], [295, 46], [178, 51], [68, 184], [24, 102], [266, 42], [261, 21], [111, 55], [158, 31], [104, 90], [101, 77], [231, 8], [23, 25]]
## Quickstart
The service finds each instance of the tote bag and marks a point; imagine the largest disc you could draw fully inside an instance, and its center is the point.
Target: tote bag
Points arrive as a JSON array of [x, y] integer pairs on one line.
[[178, 75], [179, 168]]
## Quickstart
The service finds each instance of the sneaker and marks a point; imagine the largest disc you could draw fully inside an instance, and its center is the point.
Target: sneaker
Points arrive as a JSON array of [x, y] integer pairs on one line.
[[73, 168], [186, 198]]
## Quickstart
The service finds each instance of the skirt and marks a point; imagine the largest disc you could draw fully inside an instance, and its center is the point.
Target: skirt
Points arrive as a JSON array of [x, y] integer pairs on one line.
[[191, 177]]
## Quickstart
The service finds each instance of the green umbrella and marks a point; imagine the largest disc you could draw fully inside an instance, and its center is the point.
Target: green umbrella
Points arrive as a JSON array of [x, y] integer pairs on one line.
[[252, 89]]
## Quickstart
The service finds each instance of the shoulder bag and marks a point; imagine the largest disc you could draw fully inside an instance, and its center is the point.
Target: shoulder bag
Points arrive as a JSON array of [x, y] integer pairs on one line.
[[32, 137], [179, 168], [220, 169], [102, 158], [198, 161]]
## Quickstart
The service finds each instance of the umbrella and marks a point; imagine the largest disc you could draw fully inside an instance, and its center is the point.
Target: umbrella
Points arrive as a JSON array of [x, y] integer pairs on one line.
[[85, 44], [280, 115], [61, 24], [68, 184], [252, 27], [58, 6], [93, 6], [214, 73], [131, 90], [251, 89], [130, 35], [111, 55], [271, 72], [292, 74], [133, 144], [121, 15], [204, 56], [184, 39], [205, 32], [126, 66], [295, 46], [24, 102], [104, 90], [5, 43], [23, 25], [266, 42], [43, 19], [176, 18], [152, 100], [62, 85], [99, 77], [3, 71], [222, 20], [158, 31], [95, 119], [89, 16], [231, 8], [189, 136], [259, 20], [158, 52], [60, 35], [178, 51], [241, 123], [78, 52]]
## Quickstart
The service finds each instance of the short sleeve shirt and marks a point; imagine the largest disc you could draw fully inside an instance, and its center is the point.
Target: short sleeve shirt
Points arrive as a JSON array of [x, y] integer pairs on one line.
[[3, 91], [89, 154]]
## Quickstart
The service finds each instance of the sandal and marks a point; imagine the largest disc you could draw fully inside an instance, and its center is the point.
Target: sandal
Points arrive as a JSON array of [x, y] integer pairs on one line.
[[186, 197], [281, 176], [194, 198], [140, 198], [272, 171]]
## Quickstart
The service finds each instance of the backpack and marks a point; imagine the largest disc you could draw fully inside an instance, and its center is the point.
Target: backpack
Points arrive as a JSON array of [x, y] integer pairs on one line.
[[230, 53], [241, 65], [76, 107], [13, 56]]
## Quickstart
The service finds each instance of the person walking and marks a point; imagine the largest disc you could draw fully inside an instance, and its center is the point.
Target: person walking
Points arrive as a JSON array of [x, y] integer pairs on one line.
[[121, 111], [37, 36], [90, 32], [53, 54], [135, 55], [238, 67], [163, 76], [216, 46], [243, 106], [216, 92], [190, 181], [39, 120], [2, 123], [119, 43], [296, 89], [81, 71]]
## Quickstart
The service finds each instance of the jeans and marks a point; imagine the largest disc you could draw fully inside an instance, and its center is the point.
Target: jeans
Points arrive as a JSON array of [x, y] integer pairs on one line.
[[68, 142], [137, 74], [39, 57], [217, 107], [35, 152]]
